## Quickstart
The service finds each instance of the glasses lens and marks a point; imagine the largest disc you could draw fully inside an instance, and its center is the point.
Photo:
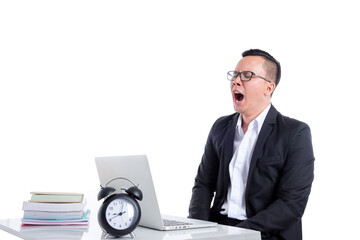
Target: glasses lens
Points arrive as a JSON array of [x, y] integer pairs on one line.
[[231, 75], [246, 76]]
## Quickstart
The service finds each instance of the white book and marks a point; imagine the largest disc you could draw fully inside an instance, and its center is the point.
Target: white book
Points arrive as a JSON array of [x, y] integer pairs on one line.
[[52, 215], [56, 197], [84, 221], [53, 207]]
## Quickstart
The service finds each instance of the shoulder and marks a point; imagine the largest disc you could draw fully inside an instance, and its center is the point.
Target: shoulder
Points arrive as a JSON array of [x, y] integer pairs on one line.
[[291, 123], [226, 121], [288, 127], [285, 122], [222, 126], [286, 136]]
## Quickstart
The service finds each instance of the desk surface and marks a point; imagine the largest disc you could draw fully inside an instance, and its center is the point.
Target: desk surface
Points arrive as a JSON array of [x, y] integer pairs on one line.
[[13, 226]]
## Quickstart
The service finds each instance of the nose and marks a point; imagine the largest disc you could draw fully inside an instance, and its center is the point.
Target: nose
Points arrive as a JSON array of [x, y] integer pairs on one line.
[[237, 81]]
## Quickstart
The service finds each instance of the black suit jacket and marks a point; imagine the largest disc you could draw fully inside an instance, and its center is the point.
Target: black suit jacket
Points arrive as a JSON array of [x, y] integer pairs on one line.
[[279, 181]]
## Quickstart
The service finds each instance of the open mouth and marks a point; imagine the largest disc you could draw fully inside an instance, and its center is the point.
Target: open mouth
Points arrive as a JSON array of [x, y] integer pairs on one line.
[[238, 96]]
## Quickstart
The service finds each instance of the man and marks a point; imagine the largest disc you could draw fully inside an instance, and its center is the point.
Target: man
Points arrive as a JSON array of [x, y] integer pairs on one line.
[[258, 162]]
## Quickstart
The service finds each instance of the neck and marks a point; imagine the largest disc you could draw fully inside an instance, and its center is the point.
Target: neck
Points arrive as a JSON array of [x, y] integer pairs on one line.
[[246, 119]]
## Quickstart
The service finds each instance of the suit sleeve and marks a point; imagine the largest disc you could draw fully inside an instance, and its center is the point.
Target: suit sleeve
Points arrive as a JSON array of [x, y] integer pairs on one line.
[[293, 188], [205, 182]]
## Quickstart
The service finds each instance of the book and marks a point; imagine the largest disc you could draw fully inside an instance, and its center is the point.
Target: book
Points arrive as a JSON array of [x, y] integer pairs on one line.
[[52, 215], [53, 232], [53, 207], [56, 197], [83, 221]]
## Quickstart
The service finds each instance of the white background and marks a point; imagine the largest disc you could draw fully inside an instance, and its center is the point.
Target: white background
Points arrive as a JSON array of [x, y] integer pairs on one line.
[[80, 79]]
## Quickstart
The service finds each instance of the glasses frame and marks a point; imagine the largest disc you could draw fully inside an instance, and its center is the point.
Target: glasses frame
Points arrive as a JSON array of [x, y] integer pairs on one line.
[[233, 73]]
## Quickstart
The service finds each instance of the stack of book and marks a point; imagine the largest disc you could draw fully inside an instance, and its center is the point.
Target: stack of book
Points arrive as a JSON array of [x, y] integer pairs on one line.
[[55, 208]]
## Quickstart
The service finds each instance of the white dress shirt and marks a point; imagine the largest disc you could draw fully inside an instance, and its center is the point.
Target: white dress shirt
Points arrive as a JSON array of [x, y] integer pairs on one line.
[[244, 144]]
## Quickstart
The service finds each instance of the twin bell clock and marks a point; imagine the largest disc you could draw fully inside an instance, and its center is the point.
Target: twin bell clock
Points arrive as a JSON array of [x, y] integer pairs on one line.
[[120, 213]]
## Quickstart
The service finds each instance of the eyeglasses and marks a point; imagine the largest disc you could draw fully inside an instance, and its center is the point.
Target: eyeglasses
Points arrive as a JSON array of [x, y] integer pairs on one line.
[[245, 76]]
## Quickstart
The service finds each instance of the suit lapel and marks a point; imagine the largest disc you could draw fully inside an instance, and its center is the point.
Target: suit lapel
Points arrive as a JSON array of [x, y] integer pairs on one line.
[[228, 144], [228, 147], [263, 136]]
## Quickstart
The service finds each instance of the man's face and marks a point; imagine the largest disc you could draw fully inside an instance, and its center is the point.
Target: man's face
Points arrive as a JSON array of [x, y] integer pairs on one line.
[[252, 97]]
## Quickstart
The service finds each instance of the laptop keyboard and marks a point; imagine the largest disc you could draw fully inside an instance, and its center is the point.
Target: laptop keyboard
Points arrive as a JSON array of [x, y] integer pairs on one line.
[[169, 223]]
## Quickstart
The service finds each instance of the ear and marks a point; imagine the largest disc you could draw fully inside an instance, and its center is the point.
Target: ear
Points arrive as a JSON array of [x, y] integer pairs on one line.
[[269, 89]]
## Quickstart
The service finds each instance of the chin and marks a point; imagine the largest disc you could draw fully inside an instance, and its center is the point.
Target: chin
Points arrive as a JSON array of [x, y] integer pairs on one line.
[[238, 109]]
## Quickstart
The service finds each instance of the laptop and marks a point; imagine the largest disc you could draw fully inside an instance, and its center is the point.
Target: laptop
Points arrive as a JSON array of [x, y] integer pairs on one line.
[[137, 169]]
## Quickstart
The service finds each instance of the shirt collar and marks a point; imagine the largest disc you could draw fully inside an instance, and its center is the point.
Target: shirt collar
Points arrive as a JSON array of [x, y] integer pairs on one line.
[[257, 122]]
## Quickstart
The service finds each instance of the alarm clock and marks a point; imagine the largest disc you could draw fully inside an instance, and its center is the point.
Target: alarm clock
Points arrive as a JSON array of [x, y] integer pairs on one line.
[[120, 213]]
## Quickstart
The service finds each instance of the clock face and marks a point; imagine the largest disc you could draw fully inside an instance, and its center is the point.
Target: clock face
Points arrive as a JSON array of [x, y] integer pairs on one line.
[[120, 213]]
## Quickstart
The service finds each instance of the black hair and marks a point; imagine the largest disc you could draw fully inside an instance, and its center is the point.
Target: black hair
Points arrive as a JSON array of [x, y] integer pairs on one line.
[[266, 55]]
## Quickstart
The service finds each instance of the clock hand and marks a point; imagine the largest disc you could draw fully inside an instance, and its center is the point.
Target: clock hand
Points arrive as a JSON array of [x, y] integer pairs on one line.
[[114, 216], [118, 214], [122, 206], [121, 213]]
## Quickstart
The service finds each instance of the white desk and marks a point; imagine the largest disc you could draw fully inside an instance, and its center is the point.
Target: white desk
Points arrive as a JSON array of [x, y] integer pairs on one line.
[[13, 226]]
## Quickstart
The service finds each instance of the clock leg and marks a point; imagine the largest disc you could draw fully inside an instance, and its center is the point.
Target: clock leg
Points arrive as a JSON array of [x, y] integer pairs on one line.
[[105, 235]]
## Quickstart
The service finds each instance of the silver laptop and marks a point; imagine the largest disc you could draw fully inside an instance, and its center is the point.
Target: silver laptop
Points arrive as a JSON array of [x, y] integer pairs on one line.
[[137, 169]]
